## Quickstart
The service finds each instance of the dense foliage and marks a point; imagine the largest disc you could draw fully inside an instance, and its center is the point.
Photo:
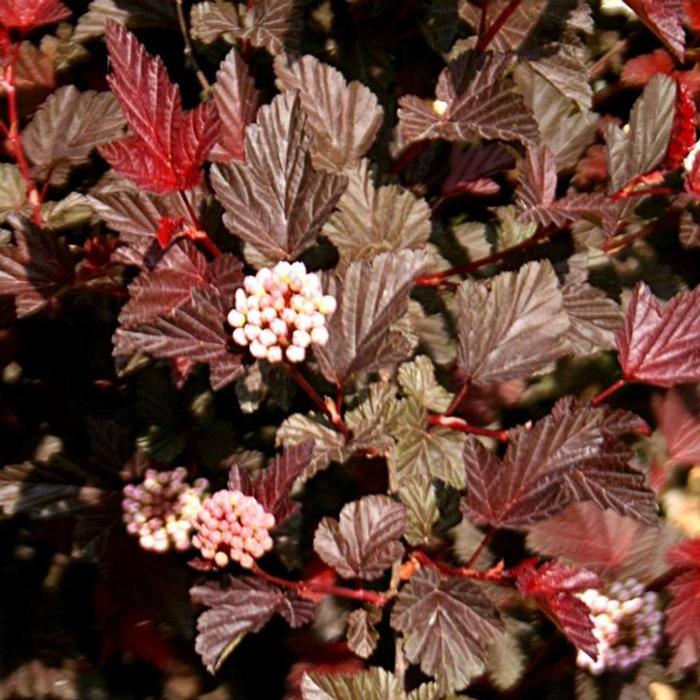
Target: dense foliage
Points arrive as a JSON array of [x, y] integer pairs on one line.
[[350, 349]]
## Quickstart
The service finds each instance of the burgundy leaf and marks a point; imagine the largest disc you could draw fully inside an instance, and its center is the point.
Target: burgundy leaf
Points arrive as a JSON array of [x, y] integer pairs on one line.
[[660, 343], [169, 146], [344, 117], [683, 614], [272, 486], [34, 270], [472, 101], [513, 329], [365, 541], [371, 297], [679, 422], [665, 19], [133, 14], [447, 624], [237, 101], [276, 201], [194, 330], [237, 607], [574, 454], [361, 633], [26, 15], [611, 545], [475, 164], [553, 586]]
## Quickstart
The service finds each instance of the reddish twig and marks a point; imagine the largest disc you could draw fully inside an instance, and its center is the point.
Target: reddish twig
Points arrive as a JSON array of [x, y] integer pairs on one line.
[[333, 416], [189, 51], [13, 134], [496, 26], [607, 393], [462, 426], [617, 243], [311, 591], [496, 575], [439, 278], [200, 234], [484, 543], [454, 404], [482, 18]]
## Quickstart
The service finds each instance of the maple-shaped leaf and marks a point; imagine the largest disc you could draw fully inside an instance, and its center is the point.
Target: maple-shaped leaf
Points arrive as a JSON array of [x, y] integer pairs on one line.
[[133, 14], [642, 147], [574, 454], [364, 542], [417, 380], [137, 217], [665, 19], [373, 684], [512, 328], [447, 624], [536, 194], [272, 486], [683, 614], [276, 201], [371, 220], [238, 606], [371, 297], [622, 547], [659, 343], [679, 423], [361, 633], [183, 268], [553, 586], [237, 101], [212, 20], [344, 117], [169, 146], [593, 317], [35, 269], [194, 330], [67, 127], [26, 15], [472, 101]]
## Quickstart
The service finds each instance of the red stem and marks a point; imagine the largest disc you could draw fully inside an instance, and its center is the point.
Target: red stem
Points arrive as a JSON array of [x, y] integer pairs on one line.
[[13, 135], [462, 426], [484, 542], [439, 277], [496, 26], [607, 393], [618, 243], [335, 419], [482, 19], [201, 234], [312, 590], [496, 574], [454, 405]]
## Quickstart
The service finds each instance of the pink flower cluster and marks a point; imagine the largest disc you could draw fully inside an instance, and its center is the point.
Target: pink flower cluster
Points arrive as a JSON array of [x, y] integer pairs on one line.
[[280, 312], [161, 510], [627, 625], [233, 527]]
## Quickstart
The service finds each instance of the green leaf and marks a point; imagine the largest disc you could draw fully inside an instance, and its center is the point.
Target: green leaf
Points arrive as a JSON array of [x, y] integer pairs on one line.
[[432, 452], [422, 512], [13, 191], [375, 684], [417, 380]]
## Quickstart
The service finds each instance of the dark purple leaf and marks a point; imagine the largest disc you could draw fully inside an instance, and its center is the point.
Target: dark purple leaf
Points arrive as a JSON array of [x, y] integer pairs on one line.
[[683, 614], [664, 18], [361, 633], [276, 201], [364, 542], [574, 454], [447, 625]]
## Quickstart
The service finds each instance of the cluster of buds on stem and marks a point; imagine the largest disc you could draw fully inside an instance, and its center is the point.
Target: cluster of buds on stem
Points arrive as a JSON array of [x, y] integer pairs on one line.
[[233, 527], [280, 312], [627, 625], [161, 510]]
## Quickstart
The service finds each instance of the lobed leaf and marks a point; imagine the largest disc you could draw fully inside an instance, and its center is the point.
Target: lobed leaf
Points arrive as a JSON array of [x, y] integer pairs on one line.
[[276, 201], [239, 606], [344, 117], [665, 19], [679, 423], [13, 191], [447, 624], [363, 543], [26, 15], [361, 633], [371, 297], [574, 454], [418, 495], [660, 343], [373, 684], [513, 329]]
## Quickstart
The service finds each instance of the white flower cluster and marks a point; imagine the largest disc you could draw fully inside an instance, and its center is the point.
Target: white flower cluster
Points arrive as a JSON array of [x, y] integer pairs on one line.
[[627, 624], [280, 312], [161, 510], [233, 527]]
